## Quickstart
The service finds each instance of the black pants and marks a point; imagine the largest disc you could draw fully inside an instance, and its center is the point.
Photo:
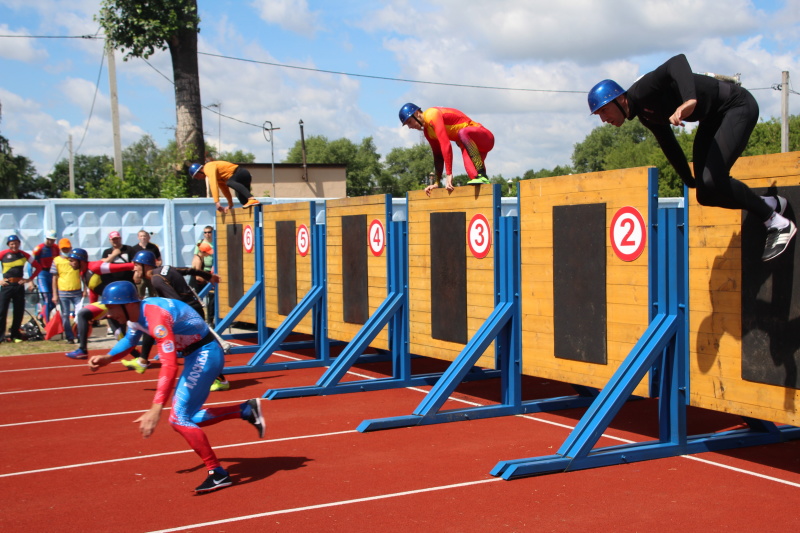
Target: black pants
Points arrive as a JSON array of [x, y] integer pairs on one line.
[[13, 293], [240, 183], [720, 140]]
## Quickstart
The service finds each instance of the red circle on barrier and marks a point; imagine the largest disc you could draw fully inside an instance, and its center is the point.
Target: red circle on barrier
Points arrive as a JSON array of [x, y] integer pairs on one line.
[[376, 237], [479, 236], [248, 239], [628, 233], [303, 240]]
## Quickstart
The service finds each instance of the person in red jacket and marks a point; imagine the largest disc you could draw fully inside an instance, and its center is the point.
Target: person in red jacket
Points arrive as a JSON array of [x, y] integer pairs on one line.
[[443, 125]]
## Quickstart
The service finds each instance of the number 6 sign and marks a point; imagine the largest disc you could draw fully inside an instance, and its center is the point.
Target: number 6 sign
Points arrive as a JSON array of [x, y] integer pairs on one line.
[[628, 233]]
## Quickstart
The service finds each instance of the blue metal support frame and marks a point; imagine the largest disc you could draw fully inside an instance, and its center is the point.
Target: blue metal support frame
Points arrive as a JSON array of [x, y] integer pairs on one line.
[[502, 325], [314, 301], [255, 291], [663, 348], [392, 311]]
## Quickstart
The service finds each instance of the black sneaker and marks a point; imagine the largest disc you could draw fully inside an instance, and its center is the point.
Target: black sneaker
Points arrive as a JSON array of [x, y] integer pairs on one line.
[[215, 481], [777, 241], [256, 418]]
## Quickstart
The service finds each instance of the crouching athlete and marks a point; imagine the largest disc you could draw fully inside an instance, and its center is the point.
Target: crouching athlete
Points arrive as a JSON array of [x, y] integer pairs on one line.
[[177, 328]]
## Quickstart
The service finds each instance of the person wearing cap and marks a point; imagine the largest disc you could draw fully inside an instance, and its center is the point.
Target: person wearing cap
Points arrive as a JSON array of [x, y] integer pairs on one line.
[[671, 95], [44, 253], [224, 176], [443, 125], [12, 285], [179, 333], [118, 253], [68, 289], [170, 282], [144, 244]]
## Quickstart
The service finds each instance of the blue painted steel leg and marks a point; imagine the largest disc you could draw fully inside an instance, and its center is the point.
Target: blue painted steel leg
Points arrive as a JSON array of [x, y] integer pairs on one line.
[[665, 341], [313, 301]]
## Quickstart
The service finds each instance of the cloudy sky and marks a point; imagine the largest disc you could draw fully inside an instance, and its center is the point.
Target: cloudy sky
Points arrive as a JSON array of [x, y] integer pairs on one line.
[[533, 61]]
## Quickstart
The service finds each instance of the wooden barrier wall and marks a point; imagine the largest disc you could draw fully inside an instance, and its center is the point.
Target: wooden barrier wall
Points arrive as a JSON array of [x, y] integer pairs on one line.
[[364, 210], [276, 218], [229, 244], [469, 200], [745, 315], [626, 288]]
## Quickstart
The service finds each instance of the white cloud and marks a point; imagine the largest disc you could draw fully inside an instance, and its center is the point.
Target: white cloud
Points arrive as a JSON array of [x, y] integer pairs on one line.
[[20, 48], [292, 15]]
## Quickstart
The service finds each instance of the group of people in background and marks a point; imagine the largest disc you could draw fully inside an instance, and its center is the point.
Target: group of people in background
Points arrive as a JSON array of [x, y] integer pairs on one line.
[[68, 282]]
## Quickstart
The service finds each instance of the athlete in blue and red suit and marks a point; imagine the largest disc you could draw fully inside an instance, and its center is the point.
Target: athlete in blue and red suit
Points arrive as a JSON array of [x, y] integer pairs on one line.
[[177, 329]]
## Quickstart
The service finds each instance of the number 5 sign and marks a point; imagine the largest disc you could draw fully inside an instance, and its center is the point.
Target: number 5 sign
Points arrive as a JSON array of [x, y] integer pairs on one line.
[[628, 233]]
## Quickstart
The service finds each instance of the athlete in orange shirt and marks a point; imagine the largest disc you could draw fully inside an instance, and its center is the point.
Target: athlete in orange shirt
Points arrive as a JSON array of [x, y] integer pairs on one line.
[[224, 176], [443, 125]]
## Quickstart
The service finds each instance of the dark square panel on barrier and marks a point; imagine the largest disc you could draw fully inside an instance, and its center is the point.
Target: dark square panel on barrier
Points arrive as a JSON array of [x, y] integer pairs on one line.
[[355, 276], [770, 303], [449, 277], [285, 250], [235, 265], [579, 282]]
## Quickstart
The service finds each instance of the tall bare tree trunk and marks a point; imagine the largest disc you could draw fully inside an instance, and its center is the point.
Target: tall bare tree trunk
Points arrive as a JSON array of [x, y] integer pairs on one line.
[[189, 131]]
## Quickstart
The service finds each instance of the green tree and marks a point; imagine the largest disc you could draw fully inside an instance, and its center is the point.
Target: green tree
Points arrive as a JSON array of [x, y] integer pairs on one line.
[[238, 156], [18, 177], [89, 171], [139, 28], [362, 161], [406, 169]]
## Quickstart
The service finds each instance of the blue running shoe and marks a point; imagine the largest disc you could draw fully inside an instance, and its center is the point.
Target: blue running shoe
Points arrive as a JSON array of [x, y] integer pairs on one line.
[[77, 354]]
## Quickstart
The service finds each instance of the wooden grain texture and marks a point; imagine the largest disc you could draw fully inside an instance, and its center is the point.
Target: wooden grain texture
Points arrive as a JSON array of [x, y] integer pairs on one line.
[[243, 217], [374, 207], [470, 200], [715, 318], [300, 214], [627, 282]]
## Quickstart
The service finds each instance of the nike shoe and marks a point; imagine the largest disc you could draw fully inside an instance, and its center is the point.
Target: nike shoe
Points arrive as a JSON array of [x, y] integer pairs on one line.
[[217, 479], [220, 385], [80, 353], [255, 416], [135, 364], [777, 241], [782, 203], [251, 202], [480, 180]]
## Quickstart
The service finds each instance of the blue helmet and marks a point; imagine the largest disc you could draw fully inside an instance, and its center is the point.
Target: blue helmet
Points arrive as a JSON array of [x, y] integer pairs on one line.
[[120, 293], [78, 253], [407, 111], [145, 257], [194, 169], [12, 238], [604, 92]]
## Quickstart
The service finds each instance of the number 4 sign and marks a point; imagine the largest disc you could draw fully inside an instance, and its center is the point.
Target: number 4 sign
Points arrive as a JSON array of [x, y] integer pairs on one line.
[[628, 233]]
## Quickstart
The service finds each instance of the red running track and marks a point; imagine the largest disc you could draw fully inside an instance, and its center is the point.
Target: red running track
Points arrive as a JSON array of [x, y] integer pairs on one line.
[[72, 460]]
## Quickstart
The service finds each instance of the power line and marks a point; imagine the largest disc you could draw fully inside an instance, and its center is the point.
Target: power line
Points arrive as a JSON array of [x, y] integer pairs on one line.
[[387, 78], [94, 99]]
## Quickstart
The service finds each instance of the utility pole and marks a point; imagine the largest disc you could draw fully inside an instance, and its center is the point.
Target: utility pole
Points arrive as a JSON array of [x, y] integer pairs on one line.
[[272, 150], [112, 83], [785, 111], [303, 145], [71, 167]]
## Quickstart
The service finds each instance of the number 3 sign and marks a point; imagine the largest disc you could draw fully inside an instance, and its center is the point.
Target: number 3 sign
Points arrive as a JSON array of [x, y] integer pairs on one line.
[[628, 233]]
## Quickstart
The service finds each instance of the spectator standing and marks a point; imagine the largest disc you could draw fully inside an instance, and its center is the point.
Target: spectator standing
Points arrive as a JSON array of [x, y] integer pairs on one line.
[[12, 285], [44, 253], [117, 254], [67, 287], [145, 287]]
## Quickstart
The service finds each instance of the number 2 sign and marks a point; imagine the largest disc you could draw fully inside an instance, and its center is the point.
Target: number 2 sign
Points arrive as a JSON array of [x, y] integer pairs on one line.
[[628, 233]]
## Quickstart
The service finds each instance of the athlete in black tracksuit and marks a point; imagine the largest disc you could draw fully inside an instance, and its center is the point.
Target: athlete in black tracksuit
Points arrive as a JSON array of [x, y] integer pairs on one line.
[[727, 114]]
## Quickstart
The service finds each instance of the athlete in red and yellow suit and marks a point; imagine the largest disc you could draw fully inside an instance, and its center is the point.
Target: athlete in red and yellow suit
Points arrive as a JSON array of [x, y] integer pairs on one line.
[[443, 125]]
